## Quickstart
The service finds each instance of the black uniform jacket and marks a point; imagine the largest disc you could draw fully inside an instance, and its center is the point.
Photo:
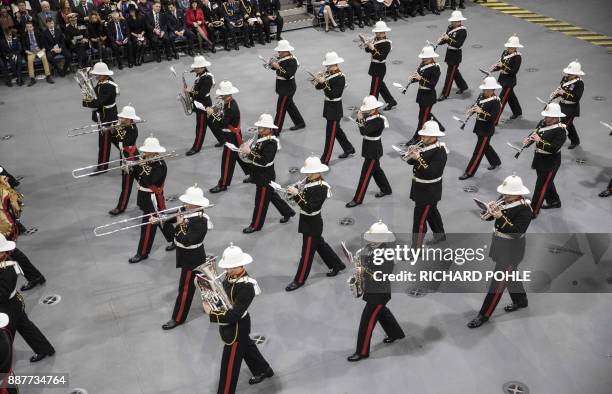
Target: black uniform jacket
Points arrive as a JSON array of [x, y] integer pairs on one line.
[[547, 152], [382, 48], [262, 158], [430, 73], [285, 76], [333, 87], [315, 194], [431, 166], [104, 103], [270, 8], [74, 34], [376, 291], [201, 89], [126, 135], [572, 93], [456, 39], [512, 64], [231, 119], [8, 281], [241, 293], [508, 241], [485, 123], [152, 176], [189, 240], [371, 148]]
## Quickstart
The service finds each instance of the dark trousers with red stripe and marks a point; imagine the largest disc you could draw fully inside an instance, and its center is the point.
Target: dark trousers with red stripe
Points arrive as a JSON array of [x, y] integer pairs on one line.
[[378, 85], [127, 180], [184, 297], [423, 214], [373, 313], [334, 132], [310, 245], [453, 75], [242, 348], [200, 130], [483, 148], [425, 114], [544, 190], [371, 168], [572, 134], [147, 231], [496, 289], [15, 309], [29, 270], [228, 163], [284, 105], [263, 196], [104, 147], [507, 96]]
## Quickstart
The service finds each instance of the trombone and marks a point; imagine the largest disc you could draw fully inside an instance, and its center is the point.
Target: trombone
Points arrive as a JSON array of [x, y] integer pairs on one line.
[[118, 164], [96, 128], [163, 215]]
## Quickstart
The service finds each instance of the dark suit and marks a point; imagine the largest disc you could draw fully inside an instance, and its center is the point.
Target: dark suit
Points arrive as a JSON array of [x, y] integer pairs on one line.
[[82, 12], [157, 41], [271, 8], [42, 19], [50, 41], [74, 37], [116, 32], [215, 19], [11, 57], [176, 22]]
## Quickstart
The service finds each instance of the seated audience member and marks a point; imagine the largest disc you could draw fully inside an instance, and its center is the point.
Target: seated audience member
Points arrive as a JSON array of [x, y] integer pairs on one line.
[[77, 39], [65, 10], [55, 48], [144, 7], [253, 17], [21, 16], [6, 19], [106, 9], [176, 29], [123, 37], [234, 21], [194, 20], [84, 10], [271, 16], [343, 12], [98, 37], [157, 28], [123, 7], [137, 28], [33, 45], [45, 14], [215, 23], [182, 5], [326, 12], [11, 57]]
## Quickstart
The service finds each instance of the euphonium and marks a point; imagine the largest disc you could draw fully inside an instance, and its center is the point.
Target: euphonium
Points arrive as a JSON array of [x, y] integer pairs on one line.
[[211, 288], [185, 98], [84, 81]]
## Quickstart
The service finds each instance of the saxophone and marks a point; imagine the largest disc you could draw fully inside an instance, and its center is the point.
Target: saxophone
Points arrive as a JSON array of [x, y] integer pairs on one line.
[[185, 98], [355, 281], [211, 288]]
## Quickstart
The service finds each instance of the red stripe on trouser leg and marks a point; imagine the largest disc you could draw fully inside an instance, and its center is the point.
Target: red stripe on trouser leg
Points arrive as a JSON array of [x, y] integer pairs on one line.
[[105, 153], [569, 120], [262, 199], [281, 112], [449, 82], [200, 129], [425, 115], [226, 167], [543, 193], [371, 323], [230, 368], [332, 139], [306, 259], [503, 101], [375, 90], [362, 187], [179, 315], [498, 293], [478, 155], [421, 224], [161, 201], [127, 181], [145, 243]]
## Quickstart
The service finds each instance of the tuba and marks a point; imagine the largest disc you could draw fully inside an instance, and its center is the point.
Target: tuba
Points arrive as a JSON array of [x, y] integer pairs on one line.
[[211, 288], [84, 80], [355, 281], [185, 98]]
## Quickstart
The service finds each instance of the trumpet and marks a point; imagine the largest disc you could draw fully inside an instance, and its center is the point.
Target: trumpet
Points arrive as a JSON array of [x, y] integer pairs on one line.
[[283, 191], [163, 215], [211, 288], [98, 128], [365, 41], [85, 82], [119, 164], [490, 207]]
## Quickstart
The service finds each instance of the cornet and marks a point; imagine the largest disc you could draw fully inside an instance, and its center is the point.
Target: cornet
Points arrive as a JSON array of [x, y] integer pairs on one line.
[[490, 207], [97, 128], [404, 153], [284, 191], [314, 78], [365, 41], [119, 164], [267, 63]]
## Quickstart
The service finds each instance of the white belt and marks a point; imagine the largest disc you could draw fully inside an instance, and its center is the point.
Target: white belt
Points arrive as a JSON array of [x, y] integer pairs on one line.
[[506, 236], [454, 48], [542, 151], [365, 137], [180, 245], [285, 79], [567, 102], [331, 99], [207, 95], [13, 294], [424, 88], [145, 189], [109, 106], [227, 130], [419, 180], [505, 72], [378, 61], [263, 165], [227, 324], [310, 213]]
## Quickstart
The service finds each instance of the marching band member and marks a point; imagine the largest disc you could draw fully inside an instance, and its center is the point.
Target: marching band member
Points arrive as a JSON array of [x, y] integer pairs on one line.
[[200, 92], [427, 75], [105, 109], [547, 158], [12, 304], [286, 66], [12, 181], [332, 83], [486, 108], [150, 177], [124, 136], [261, 157], [188, 241], [570, 91], [380, 49], [508, 65], [371, 128], [229, 129], [376, 293], [426, 190], [608, 191], [310, 201], [235, 324], [6, 360], [454, 38], [512, 218]]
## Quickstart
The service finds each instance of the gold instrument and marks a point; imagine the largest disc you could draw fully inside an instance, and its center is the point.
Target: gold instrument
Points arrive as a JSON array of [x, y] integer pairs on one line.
[[163, 215], [217, 109], [267, 63], [185, 98], [119, 164], [96, 128], [490, 207], [251, 142], [355, 281], [85, 82], [284, 191], [365, 41], [211, 288]]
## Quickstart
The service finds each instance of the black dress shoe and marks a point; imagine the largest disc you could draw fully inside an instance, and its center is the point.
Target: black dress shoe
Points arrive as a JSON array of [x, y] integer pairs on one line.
[[116, 211], [259, 378], [352, 204], [218, 145], [33, 283], [171, 247], [249, 230], [421, 13], [20, 82], [342, 29], [334, 271], [218, 189], [285, 219], [382, 194], [493, 166], [464, 177], [176, 55], [605, 193], [391, 340], [32, 82], [477, 321], [437, 238], [191, 152], [436, 12], [213, 49], [120, 66], [49, 79], [9, 83], [356, 357], [390, 106], [247, 180], [514, 307], [360, 25], [37, 357], [552, 206], [347, 154], [293, 286], [460, 91], [130, 65], [137, 259], [513, 116], [442, 98], [171, 324], [297, 127], [572, 146]]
